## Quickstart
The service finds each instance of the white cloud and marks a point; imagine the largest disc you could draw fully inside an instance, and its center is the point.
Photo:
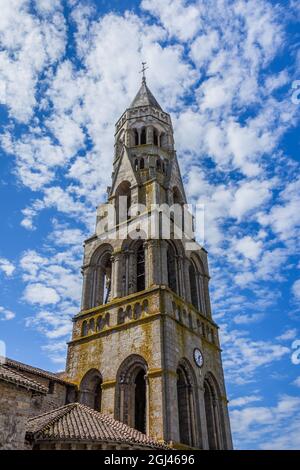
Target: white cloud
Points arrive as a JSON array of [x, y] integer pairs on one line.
[[248, 318], [53, 280], [296, 289], [274, 427], [297, 382], [244, 357], [179, 18], [56, 350], [284, 217], [39, 294], [6, 314], [248, 247], [7, 267], [28, 46], [203, 47], [250, 196], [245, 400], [287, 335]]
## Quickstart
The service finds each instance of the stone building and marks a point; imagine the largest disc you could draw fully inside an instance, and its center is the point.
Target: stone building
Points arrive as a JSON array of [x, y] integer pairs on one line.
[[145, 349]]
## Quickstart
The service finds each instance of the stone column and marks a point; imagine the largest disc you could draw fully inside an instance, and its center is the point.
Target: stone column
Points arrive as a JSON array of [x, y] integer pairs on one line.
[[152, 263], [201, 294], [147, 405], [149, 136], [202, 421], [164, 262], [116, 281], [206, 296], [156, 411], [131, 273], [188, 296], [108, 398], [180, 268], [86, 284]]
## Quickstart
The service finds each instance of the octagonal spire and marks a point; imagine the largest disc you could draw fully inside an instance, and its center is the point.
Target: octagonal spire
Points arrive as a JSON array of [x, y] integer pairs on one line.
[[144, 97]]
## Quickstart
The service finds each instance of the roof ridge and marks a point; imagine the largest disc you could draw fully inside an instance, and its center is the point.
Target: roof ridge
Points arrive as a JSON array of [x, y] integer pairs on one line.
[[64, 410], [34, 384], [32, 369], [78, 421]]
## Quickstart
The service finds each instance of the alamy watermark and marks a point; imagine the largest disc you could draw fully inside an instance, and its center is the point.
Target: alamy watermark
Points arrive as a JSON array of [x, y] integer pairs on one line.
[[295, 358], [160, 221], [296, 92]]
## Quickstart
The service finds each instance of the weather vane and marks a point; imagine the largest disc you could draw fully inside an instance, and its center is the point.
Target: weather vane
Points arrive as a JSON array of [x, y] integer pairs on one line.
[[143, 71]]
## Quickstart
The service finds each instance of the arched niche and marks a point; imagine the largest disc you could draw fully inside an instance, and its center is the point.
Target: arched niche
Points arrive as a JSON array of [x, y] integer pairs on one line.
[[101, 282], [90, 389], [214, 413], [123, 202], [172, 267], [194, 285], [188, 413], [131, 393]]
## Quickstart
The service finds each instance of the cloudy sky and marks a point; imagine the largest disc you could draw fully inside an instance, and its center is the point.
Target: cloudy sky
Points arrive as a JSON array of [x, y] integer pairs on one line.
[[227, 73]]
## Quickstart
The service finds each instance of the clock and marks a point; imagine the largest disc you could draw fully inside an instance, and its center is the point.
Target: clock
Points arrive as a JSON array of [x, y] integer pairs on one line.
[[198, 357]]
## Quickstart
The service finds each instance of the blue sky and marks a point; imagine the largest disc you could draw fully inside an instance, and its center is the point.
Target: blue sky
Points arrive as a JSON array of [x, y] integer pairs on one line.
[[225, 71]]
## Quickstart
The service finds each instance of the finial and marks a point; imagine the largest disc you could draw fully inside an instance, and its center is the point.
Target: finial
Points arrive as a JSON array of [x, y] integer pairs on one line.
[[143, 71]]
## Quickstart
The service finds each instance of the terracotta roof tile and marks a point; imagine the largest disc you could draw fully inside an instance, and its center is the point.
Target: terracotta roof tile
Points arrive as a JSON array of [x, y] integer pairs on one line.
[[80, 423], [32, 370], [16, 378]]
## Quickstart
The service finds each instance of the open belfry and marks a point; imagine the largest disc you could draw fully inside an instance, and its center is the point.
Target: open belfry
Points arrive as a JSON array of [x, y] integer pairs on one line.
[[145, 348]]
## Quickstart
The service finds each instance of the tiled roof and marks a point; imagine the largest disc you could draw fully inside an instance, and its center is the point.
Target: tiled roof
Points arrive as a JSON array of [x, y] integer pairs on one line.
[[77, 422], [144, 97], [11, 363], [16, 378]]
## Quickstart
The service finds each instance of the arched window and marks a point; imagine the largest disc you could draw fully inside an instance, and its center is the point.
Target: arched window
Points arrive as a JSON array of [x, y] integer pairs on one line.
[[121, 316], [187, 412], [90, 389], [136, 164], [155, 137], [193, 285], [140, 268], [214, 415], [158, 164], [163, 140], [92, 326], [84, 328], [142, 164], [98, 290], [123, 202], [136, 137], [171, 261], [137, 311], [143, 136], [131, 396]]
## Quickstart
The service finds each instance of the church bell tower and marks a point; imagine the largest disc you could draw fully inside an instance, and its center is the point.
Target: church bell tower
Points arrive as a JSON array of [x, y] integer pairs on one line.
[[145, 348]]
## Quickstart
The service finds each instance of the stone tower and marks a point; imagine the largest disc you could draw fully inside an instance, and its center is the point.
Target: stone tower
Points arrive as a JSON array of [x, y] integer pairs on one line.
[[145, 348]]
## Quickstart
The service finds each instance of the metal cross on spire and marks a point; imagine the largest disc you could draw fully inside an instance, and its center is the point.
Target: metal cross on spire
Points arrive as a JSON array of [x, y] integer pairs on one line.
[[143, 71]]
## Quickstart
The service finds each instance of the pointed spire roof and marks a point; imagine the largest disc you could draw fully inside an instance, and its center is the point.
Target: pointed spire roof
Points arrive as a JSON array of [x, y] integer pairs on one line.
[[144, 97]]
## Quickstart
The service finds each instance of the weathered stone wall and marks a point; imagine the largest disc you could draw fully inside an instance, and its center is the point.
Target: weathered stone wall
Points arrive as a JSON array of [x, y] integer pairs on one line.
[[16, 405], [57, 392]]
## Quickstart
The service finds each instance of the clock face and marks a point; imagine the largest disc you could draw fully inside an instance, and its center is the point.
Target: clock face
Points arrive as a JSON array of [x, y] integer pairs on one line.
[[198, 357]]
